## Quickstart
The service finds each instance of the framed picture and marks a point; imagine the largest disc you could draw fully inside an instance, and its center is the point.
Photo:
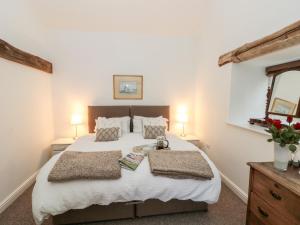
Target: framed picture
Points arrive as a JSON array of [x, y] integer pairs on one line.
[[282, 106], [128, 86]]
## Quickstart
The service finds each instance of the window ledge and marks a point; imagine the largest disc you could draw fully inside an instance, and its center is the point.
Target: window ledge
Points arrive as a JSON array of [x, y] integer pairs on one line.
[[253, 128]]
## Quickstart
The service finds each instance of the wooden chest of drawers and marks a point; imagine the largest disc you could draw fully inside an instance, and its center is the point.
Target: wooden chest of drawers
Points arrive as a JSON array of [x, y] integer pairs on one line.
[[274, 196]]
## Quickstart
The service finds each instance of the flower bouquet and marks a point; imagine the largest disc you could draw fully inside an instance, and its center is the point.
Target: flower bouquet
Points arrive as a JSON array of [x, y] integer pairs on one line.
[[286, 138]]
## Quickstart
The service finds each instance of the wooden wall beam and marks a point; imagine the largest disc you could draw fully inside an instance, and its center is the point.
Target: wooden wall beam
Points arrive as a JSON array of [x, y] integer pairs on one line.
[[9, 52], [286, 37]]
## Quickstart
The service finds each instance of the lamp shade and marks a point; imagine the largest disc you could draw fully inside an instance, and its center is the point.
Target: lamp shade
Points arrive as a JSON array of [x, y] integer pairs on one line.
[[182, 117], [76, 119]]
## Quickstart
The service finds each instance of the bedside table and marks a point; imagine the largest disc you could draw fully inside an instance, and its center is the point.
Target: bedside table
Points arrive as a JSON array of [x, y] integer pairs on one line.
[[60, 145], [195, 141]]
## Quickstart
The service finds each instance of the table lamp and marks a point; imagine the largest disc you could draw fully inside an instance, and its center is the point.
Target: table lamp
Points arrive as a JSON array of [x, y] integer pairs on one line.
[[76, 120], [182, 118]]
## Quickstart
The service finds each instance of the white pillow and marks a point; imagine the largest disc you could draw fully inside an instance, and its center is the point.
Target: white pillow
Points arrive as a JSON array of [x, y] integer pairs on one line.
[[137, 124], [122, 122], [125, 124], [140, 121], [103, 122]]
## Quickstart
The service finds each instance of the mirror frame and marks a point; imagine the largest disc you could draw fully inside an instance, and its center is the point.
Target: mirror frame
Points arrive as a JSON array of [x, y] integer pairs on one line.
[[276, 71]]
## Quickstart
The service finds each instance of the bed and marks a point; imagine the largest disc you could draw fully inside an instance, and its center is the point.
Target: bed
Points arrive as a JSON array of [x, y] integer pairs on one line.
[[135, 194]]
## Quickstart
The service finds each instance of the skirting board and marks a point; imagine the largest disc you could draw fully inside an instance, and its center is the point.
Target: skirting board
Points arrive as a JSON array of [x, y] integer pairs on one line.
[[234, 188], [17, 192]]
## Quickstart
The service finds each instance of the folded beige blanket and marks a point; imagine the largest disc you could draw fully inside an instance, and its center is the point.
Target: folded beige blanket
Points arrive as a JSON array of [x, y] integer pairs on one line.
[[86, 165], [180, 164]]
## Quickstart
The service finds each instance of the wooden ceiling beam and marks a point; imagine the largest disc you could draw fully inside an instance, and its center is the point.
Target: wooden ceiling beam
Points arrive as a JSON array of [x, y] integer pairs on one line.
[[286, 37], [11, 53]]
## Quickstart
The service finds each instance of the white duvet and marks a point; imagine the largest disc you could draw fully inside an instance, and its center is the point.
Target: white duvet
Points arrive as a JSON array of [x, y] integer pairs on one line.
[[56, 198]]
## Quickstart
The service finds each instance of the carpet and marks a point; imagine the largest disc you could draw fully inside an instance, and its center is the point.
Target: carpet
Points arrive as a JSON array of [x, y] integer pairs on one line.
[[229, 210]]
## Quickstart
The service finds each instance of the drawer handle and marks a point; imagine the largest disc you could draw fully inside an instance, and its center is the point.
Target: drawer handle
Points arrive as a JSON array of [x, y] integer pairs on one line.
[[262, 212], [276, 196]]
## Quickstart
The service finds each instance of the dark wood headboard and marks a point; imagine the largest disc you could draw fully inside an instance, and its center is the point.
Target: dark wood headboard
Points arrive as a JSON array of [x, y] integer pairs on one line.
[[105, 111], [118, 111], [151, 111]]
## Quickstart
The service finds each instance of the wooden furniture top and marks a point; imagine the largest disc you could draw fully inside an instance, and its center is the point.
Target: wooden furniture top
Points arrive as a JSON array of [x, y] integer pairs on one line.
[[289, 179], [189, 137], [63, 141]]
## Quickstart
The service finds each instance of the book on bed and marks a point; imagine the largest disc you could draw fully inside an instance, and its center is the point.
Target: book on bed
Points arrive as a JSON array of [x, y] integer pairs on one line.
[[131, 161]]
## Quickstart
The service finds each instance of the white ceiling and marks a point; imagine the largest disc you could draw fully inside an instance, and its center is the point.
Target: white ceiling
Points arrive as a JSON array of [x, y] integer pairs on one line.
[[169, 17]]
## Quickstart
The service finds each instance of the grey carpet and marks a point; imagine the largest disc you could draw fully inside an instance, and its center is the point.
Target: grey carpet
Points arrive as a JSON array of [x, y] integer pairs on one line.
[[229, 210]]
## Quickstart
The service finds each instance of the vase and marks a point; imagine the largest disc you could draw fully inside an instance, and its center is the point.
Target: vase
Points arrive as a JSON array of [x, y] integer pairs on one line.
[[296, 159], [282, 156]]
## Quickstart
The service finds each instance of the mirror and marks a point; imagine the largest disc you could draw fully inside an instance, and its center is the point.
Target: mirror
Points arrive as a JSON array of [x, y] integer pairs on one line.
[[285, 94]]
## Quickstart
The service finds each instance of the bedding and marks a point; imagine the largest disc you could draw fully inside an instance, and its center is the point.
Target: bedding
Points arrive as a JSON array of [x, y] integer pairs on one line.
[[56, 198], [86, 165], [179, 164]]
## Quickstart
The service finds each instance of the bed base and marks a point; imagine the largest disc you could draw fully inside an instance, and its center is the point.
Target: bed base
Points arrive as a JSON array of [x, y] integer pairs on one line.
[[129, 210]]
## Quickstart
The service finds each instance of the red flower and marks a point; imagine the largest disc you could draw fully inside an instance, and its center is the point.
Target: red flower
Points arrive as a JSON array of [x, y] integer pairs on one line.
[[269, 120], [297, 126], [289, 119], [277, 124]]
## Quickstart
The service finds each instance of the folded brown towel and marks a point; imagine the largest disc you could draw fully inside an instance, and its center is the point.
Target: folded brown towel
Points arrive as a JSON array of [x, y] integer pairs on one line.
[[86, 165], [180, 164]]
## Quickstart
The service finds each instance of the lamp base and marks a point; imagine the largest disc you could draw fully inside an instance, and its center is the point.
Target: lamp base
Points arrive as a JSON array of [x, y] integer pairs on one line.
[[182, 133], [76, 133]]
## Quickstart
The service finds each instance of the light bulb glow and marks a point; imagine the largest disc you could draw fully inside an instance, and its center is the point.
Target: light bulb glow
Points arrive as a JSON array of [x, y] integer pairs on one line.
[[76, 119], [182, 118], [182, 115]]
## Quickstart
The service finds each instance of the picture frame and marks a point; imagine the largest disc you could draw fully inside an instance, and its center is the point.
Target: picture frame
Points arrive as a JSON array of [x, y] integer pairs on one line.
[[281, 106], [128, 87]]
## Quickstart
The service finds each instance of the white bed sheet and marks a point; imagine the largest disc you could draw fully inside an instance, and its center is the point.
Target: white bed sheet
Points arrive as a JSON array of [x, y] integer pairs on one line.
[[56, 198]]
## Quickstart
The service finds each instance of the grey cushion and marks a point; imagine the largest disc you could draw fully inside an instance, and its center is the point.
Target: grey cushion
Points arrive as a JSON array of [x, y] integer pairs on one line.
[[152, 132], [107, 134]]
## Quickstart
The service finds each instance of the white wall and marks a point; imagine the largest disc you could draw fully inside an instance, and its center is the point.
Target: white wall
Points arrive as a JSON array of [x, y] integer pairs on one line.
[[25, 98], [85, 62], [230, 24], [248, 89]]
